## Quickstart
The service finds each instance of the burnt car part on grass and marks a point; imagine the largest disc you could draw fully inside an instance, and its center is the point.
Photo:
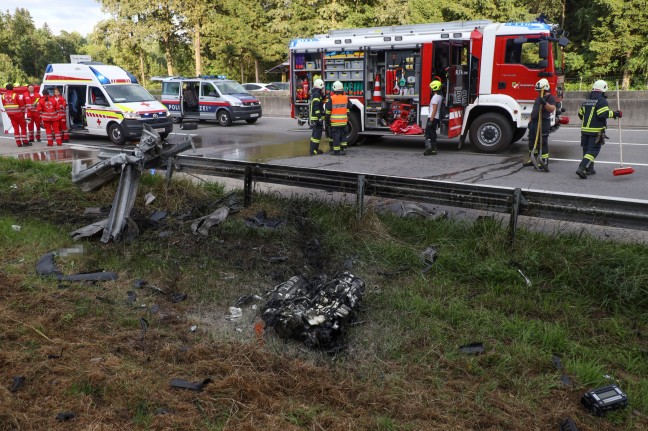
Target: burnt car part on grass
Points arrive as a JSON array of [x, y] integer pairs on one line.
[[150, 153], [315, 311], [46, 267]]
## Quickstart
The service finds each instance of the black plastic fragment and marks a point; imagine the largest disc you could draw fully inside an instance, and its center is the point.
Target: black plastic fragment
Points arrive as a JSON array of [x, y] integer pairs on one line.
[[472, 348], [139, 283], [65, 416], [262, 220], [429, 256], [193, 386], [46, 266], [130, 297], [143, 328], [244, 300], [178, 297], [555, 359], [59, 356], [567, 424], [92, 276], [18, 382], [157, 216], [277, 259]]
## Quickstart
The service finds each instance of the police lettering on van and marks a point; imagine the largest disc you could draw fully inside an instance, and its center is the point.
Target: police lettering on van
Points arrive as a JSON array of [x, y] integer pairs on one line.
[[107, 101], [208, 98]]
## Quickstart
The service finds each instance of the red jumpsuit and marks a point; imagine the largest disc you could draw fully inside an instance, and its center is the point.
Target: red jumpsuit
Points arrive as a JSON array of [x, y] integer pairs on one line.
[[14, 105], [49, 111], [62, 105], [31, 102]]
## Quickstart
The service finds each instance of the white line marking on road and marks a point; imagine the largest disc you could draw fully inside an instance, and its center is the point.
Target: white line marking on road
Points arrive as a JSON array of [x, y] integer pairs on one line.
[[600, 162], [606, 143]]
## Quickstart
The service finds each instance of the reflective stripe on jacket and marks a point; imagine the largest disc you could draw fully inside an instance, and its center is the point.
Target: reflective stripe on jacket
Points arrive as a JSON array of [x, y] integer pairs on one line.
[[48, 108], [339, 109], [13, 103], [31, 101], [594, 113], [316, 105]]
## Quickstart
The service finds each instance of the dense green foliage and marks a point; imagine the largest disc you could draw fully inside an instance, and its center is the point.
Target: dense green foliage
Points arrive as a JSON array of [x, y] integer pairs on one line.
[[243, 38]]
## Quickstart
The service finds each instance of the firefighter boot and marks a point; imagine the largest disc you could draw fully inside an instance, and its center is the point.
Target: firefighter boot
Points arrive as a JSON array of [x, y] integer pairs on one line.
[[428, 148], [590, 169], [581, 172], [528, 162]]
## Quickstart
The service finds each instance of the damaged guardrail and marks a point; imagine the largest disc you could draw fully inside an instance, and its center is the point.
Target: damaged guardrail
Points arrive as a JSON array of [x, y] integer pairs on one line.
[[622, 213]]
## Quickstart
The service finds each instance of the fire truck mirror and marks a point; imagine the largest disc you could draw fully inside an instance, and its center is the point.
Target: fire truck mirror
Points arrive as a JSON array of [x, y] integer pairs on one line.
[[520, 40], [542, 64], [563, 41], [544, 49]]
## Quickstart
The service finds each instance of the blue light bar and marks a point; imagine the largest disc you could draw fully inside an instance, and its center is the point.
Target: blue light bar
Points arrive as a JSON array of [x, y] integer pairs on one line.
[[102, 79]]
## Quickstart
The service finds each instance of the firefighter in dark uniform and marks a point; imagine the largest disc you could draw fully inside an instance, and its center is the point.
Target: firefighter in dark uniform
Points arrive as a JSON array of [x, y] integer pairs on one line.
[[337, 112], [316, 116], [594, 113], [544, 106]]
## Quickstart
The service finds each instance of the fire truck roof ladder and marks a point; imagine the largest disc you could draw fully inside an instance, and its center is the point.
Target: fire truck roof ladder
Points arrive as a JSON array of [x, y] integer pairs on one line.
[[412, 29]]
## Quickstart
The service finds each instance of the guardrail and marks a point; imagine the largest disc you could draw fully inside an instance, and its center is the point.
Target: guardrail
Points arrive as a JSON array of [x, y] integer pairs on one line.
[[623, 213]]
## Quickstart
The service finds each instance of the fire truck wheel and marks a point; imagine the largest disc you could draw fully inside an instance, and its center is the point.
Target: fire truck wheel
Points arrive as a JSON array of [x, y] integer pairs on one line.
[[116, 134], [352, 129], [518, 134], [491, 133], [224, 118]]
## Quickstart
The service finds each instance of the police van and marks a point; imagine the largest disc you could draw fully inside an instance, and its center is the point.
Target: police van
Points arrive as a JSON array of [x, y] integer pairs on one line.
[[208, 98], [106, 101]]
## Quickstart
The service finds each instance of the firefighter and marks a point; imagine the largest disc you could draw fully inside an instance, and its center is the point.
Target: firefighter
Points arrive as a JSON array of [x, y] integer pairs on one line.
[[337, 110], [433, 120], [14, 106], [545, 104], [33, 116], [62, 106], [594, 113], [49, 111], [316, 116]]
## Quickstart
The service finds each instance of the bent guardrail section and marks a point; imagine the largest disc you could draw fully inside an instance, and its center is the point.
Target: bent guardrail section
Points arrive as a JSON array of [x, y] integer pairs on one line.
[[622, 213]]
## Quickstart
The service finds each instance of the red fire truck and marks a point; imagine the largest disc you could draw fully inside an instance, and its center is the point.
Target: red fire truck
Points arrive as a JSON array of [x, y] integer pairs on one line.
[[488, 71]]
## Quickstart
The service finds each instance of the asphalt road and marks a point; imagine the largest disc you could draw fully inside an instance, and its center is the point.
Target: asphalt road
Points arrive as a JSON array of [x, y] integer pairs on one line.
[[281, 141]]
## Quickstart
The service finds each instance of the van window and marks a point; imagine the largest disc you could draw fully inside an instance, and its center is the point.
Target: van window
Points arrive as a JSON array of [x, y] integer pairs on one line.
[[128, 93], [97, 97], [230, 87], [207, 89], [171, 89]]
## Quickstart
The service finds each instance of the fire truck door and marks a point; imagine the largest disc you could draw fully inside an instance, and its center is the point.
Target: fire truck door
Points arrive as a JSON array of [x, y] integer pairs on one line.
[[517, 64]]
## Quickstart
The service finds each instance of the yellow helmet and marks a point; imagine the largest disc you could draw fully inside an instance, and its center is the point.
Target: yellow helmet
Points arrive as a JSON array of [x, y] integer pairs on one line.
[[435, 85]]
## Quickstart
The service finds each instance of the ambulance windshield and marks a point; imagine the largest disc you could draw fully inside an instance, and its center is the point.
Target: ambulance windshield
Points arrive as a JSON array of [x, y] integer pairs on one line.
[[126, 93]]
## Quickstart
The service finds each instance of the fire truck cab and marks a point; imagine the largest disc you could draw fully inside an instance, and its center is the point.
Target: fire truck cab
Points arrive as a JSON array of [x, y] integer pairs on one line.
[[488, 71]]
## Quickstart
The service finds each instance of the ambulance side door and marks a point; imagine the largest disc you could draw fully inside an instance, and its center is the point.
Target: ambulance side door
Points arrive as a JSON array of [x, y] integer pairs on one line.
[[96, 102]]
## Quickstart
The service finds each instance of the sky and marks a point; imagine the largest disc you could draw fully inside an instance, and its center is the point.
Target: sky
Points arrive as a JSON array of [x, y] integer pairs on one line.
[[68, 15]]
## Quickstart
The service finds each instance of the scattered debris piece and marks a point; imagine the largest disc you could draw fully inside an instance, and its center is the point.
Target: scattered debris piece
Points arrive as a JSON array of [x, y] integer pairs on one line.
[[429, 256], [148, 198], [89, 231], [13, 187], [526, 279], [15, 227], [162, 411], [567, 424], [203, 224], [94, 211], [143, 328], [18, 382], [92, 276], [157, 216], [131, 297], [178, 297], [195, 386], [245, 300], [601, 400], [564, 378], [472, 348], [315, 311], [139, 283], [154, 309], [235, 313], [46, 266], [65, 416], [262, 220], [59, 356], [277, 259], [193, 328]]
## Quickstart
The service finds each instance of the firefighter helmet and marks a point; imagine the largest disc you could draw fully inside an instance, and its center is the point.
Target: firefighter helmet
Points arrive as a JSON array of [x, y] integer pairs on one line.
[[435, 85], [337, 86], [542, 84], [600, 85], [318, 83]]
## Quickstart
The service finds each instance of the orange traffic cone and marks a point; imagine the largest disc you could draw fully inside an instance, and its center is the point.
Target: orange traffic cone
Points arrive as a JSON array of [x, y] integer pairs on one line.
[[377, 96]]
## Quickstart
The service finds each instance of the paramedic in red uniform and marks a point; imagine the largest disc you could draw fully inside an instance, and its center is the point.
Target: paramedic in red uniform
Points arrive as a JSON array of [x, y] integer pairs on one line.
[[14, 105], [49, 111], [62, 106], [33, 116]]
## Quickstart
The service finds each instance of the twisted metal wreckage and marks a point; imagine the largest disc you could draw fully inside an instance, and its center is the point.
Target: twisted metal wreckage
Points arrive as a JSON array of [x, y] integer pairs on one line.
[[150, 153]]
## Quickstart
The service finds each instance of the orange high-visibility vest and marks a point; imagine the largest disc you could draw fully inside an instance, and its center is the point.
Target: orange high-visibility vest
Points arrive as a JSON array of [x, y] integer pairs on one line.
[[339, 109]]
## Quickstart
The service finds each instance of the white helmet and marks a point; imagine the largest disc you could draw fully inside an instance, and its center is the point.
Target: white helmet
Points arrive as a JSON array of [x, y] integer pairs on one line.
[[600, 85], [337, 86], [318, 83], [542, 84]]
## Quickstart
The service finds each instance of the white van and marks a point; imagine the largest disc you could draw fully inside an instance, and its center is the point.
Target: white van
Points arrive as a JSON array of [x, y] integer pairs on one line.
[[208, 98], [106, 100]]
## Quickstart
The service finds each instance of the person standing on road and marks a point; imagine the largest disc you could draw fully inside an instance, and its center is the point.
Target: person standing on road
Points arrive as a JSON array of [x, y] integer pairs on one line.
[[337, 112], [62, 106], [544, 105], [316, 116], [14, 105], [594, 113], [433, 120], [49, 112], [33, 116]]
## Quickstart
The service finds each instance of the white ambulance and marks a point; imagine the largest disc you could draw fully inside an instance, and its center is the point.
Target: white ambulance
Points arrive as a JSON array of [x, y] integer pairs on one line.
[[106, 100]]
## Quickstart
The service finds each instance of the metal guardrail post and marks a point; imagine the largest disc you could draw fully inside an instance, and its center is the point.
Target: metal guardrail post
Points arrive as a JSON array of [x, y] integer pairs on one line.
[[515, 212], [360, 196], [247, 187]]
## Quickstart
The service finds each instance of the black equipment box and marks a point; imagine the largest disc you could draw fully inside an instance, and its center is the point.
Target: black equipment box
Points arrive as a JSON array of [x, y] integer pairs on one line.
[[599, 401]]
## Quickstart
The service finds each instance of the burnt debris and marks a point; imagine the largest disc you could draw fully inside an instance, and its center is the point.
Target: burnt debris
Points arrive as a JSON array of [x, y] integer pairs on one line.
[[315, 311]]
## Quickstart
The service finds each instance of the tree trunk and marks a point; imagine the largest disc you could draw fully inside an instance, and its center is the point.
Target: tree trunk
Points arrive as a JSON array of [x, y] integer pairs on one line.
[[625, 84], [197, 49], [256, 70], [141, 58], [167, 54], [241, 63]]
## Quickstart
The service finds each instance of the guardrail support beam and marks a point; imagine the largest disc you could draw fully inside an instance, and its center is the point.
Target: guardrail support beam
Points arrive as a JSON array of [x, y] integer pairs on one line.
[[360, 196], [515, 211], [247, 187]]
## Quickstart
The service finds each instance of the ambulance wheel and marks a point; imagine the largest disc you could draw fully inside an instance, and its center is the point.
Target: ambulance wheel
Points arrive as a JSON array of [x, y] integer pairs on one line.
[[116, 134], [352, 129], [224, 118], [518, 134], [490, 133], [251, 120]]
